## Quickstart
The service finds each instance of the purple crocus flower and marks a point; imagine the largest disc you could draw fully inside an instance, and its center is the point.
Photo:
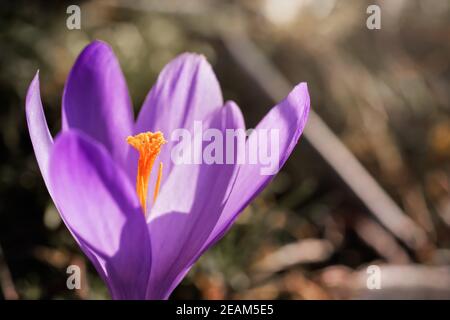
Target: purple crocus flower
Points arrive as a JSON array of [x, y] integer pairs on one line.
[[141, 246]]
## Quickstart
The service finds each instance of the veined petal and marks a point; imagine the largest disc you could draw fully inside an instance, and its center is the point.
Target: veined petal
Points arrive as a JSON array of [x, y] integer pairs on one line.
[[96, 100], [101, 210], [37, 126], [289, 118], [186, 90], [187, 210]]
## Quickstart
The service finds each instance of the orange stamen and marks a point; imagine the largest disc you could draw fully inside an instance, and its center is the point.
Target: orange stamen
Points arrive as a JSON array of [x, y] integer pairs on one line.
[[158, 182], [148, 144]]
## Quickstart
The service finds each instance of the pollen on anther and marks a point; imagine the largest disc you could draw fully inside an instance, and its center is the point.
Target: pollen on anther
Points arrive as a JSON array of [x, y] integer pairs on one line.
[[148, 144]]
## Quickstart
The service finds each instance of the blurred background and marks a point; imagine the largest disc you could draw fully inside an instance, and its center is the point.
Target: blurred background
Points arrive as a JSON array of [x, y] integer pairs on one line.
[[314, 231]]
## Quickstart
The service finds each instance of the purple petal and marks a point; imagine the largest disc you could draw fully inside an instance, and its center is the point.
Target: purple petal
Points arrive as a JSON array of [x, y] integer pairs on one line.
[[100, 208], [96, 100], [187, 210], [37, 126], [289, 117], [186, 90]]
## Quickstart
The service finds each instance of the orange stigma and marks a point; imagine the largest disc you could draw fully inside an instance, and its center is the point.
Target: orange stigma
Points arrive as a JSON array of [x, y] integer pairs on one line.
[[148, 144]]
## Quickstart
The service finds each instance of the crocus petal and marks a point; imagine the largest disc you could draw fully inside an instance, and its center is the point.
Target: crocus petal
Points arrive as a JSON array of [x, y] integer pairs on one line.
[[96, 100], [289, 117], [186, 90], [187, 210], [37, 126], [101, 210]]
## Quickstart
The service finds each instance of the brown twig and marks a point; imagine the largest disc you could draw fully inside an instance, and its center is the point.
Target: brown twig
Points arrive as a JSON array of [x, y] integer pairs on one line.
[[379, 239], [6, 282], [303, 251]]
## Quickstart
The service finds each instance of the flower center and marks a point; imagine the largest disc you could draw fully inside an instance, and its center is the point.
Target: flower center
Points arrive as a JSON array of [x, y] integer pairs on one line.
[[148, 144]]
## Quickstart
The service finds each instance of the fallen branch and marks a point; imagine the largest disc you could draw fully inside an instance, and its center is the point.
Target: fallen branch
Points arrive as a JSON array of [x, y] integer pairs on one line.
[[300, 252], [380, 240], [6, 282]]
